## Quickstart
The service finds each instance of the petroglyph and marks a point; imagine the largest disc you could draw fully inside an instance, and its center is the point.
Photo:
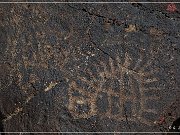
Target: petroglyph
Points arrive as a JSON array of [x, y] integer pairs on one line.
[[36, 45], [131, 28], [115, 86], [50, 86], [16, 112]]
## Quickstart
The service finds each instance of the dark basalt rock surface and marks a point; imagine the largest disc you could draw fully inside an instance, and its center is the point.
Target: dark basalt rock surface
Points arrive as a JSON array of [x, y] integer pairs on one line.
[[89, 67]]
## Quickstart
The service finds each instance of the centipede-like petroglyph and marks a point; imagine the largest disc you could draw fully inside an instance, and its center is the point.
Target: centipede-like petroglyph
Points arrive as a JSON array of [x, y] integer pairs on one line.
[[120, 84]]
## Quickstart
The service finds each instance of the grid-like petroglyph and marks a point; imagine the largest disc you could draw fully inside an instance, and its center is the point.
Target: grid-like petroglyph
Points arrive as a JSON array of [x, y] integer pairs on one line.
[[115, 89]]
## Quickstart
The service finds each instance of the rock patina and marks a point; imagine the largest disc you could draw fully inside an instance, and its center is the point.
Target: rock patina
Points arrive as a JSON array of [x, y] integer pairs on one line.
[[89, 67]]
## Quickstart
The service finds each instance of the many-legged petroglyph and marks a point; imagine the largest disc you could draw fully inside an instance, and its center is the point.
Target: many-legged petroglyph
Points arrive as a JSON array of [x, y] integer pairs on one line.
[[83, 101]]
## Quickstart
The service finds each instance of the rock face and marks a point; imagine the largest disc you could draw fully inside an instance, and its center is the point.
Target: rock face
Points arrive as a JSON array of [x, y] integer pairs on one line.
[[89, 67]]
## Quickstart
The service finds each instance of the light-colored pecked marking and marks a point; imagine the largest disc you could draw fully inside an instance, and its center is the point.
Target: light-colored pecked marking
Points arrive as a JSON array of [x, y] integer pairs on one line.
[[118, 72]]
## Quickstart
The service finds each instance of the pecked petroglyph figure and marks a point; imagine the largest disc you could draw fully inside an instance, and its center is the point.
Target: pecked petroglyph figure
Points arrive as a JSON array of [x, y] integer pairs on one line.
[[114, 87]]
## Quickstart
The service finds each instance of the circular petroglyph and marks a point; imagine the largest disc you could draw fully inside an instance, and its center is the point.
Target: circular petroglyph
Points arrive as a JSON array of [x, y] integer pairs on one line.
[[116, 90]]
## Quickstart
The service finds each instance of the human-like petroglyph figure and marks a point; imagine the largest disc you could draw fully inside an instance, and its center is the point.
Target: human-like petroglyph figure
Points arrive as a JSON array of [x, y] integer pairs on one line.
[[117, 85]]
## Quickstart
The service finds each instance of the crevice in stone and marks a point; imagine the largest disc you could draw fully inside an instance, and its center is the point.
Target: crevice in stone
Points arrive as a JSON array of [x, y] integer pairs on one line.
[[144, 8], [117, 22], [113, 21]]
